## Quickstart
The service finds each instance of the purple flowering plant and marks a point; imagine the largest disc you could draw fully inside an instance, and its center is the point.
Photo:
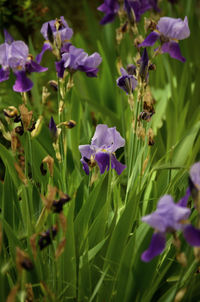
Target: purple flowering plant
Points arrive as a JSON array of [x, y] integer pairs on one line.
[[133, 8], [57, 35], [169, 31], [15, 55], [102, 150], [87, 246], [170, 217], [74, 59]]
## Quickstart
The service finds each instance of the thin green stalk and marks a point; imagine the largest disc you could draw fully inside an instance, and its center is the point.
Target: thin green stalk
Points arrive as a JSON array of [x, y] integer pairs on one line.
[[133, 138]]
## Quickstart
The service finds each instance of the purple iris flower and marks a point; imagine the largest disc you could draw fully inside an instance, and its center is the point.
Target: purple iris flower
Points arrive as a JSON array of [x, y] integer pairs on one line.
[[110, 9], [169, 31], [127, 81], [15, 55], [168, 217], [101, 151], [55, 31], [133, 8], [77, 59], [136, 8]]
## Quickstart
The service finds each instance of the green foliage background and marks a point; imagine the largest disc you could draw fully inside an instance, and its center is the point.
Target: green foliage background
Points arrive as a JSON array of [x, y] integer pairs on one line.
[[105, 236]]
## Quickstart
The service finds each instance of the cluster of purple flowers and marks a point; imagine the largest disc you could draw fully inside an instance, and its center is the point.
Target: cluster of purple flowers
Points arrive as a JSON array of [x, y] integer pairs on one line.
[[57, 34], [15, 55], [170, 217], [169, 31], [133, 8]]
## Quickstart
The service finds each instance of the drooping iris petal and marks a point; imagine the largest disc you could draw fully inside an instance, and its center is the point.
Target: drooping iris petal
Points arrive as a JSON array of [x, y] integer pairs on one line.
[[183, 201], [32, 66], [192, 235], [103, 161], [22, 83], [150, 39], [115, 164], [174, 50], [45, 47], [109, 17], [85, 166], [156, 247], [174, 28], [4, 74]]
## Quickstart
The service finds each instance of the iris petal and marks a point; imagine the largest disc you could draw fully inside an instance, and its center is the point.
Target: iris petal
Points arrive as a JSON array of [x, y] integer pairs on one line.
[[156, 247], [4, 74], [174, 50], [45, 47], [150, 39], [115, 164], [192, 235], [22, 83], [103, 161]]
